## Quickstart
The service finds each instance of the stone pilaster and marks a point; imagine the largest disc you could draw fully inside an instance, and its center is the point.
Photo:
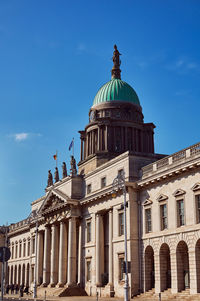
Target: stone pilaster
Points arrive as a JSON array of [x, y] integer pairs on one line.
[[174, 275], [71, 270], [193, 271], [80, 253], [98, 282], [157, 273], [46, 262], [62, 273]]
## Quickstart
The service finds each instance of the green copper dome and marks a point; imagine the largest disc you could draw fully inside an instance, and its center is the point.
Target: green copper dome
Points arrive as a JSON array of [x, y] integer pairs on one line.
[[116, 90]]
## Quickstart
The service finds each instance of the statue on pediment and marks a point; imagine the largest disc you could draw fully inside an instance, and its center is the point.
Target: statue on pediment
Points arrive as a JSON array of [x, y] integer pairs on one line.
[[50, 179], [56, 175], [73, 166], [64, 170]]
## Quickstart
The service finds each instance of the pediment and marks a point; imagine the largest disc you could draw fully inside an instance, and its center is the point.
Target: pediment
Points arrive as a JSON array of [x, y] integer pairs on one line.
[[196, 187], [179, 192], [147, 202], [54, 199], [162, 197]]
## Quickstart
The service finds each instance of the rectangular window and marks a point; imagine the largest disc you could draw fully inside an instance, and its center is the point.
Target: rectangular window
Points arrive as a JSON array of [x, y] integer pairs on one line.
[[121, 223], [148, 220], [20, 249], [180, 213], [33, 245], [197, 198], [89, 188], [103, 182], [163, 216], [88, 270], [121, 267], [24, 251], [29, 248], [88, 229]]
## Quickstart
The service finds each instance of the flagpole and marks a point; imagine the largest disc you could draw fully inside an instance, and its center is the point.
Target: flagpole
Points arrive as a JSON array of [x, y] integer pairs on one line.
[[73, 147], [56, 158]]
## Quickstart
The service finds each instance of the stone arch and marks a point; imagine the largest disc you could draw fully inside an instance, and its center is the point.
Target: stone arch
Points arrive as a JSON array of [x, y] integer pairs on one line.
[[165, 267], [182, 263], [197, 257], [149, 268]]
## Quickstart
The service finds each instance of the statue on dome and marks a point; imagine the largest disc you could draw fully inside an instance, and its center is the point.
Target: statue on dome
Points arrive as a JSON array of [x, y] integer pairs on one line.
[[64, 170], [73, 166], [115, 58], [50, 179], [56, 175]]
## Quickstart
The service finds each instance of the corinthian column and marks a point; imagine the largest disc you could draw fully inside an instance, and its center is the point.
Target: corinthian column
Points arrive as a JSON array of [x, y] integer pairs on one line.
[[79, 253], [97, 250], [54, 256], [62, 255], [71, 271], [46, 262]]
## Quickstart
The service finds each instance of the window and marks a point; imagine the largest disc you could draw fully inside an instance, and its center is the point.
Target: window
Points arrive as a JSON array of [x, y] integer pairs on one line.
[[180, 213], [121, 223], [148, 220], [88, 270], [24, 249], [197, 198], [29, 248], [20, 249], [121, 267], [163, 216], [88, 229], [89, 188], [16, 250], [33, 245], [12, 252], [103, 182]]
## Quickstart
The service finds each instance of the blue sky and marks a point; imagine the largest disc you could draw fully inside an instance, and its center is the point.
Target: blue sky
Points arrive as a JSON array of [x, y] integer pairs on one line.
[[56, 54]]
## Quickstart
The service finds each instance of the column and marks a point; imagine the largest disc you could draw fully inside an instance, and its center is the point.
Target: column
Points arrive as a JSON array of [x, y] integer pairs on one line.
[[157, 273], [62, 255], [110, 248], [174, 276], [39, 263], [71, 271], [106, 137], [54, 256], [79, 253], [81, 149], [192, 271], [98, 282], [46, 262]]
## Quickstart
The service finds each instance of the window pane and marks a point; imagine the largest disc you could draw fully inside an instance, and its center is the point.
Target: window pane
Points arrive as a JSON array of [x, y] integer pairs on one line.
[[148, 220]]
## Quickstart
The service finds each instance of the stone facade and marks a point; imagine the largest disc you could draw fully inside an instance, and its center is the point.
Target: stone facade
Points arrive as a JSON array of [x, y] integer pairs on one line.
[[73, 240]]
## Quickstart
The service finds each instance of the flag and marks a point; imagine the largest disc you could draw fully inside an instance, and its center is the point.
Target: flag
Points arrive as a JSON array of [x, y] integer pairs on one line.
[[71, 144], [55, 157]]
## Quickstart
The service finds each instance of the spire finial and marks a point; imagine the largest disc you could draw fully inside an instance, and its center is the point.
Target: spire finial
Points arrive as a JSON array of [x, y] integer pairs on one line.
[[116, 72]]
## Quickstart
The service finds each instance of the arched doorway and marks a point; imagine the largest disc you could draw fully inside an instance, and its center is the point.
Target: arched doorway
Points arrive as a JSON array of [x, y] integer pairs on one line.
[[182, 261], [197, 255], [149, 269], [19, 275], [165, 267], [23, 274], [27, 274]]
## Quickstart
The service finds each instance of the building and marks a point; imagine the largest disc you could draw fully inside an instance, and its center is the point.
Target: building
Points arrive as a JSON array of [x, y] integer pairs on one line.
[[73, 240]]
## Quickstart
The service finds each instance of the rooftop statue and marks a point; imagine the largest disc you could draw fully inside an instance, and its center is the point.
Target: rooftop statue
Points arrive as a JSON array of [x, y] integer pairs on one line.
[[50, 179], [116, 72], [56, 175], [64, 170], [73, 166]]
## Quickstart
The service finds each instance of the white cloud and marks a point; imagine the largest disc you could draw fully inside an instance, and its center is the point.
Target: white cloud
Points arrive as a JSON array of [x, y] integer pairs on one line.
[[23, 136], [183, 65]]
